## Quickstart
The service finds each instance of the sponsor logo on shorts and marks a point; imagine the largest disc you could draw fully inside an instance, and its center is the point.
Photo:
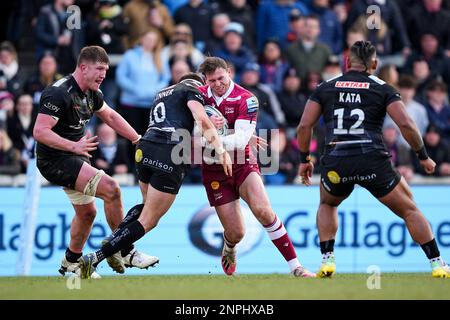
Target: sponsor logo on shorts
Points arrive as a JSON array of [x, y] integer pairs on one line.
[[218, 196], [333, 176], [215, 185], [157, 164], [359, 178], [138, 155]]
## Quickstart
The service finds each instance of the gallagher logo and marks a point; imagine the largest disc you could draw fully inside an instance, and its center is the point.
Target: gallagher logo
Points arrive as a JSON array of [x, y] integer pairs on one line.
[[206, 232]]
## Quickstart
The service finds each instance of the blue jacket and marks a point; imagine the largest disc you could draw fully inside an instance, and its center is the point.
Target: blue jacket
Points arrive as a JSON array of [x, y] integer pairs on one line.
[[139, 79], [331, 32], [238, 59], [272, 21]]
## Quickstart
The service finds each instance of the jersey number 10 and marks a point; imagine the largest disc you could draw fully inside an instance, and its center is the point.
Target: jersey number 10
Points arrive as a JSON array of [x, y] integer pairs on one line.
[[355, 128], [158, 114]]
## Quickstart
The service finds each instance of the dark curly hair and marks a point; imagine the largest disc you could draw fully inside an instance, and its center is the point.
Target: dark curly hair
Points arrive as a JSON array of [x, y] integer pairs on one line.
[[363, 51]]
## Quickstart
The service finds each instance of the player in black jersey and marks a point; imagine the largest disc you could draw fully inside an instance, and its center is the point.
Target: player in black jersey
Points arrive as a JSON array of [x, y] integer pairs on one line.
[[354, 106], [63, 153], [160, 172]]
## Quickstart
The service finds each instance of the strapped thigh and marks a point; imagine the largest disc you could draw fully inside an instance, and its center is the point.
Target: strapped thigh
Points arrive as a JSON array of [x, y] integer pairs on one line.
[[92, 184]]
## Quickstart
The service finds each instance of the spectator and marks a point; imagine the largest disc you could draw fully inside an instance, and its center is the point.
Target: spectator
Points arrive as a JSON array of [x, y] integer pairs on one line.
[[181, 44], [6, 107], [218, 24], [423, 76], [178, 68], [158, 17], [106, 28], [332, 68], [407, 89], [400, 154], [437, 108], [268, 101], [308, 54], [233, 49], [12, 77], [45, 76], [111, 154], [240, 11], [292, 101], [312, 80], [9, 157], [140, 75], [53, 35], [351, 37], [272, 20], [428, 17], [391, 37], [432, 53], [288, 159], [297, 26], [273, 65], [389, 74], [20, 129], [173, 5], [438, 149], [340, 10], [331, 30], [143, 15], [197, 14]]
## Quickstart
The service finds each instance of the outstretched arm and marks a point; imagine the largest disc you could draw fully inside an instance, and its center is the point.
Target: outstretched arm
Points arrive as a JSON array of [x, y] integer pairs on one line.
[[118, 123], [408, 128]]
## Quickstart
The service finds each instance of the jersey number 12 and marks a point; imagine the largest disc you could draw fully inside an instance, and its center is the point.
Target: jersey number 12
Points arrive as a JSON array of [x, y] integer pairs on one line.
[[355, 128]]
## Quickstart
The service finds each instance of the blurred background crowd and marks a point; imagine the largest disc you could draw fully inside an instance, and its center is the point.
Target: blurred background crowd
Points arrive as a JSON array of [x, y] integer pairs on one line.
[[280, 50]]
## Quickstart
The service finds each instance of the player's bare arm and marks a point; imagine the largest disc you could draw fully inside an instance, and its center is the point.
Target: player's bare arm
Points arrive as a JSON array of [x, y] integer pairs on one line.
[[44, 134], [311, 115], [409, 131], [118, 123], [210, 133]]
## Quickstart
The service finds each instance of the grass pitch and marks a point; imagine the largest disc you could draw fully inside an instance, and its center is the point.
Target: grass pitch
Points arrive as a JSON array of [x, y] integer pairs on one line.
[[218, 287]]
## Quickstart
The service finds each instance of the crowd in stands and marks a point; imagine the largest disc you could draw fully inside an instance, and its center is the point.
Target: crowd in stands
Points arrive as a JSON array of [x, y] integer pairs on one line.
[[280, 50]]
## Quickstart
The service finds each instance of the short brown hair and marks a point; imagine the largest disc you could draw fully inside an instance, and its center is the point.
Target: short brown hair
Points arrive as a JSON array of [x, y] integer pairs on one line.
[[211, 64], [193, 76], [93, 54], [436, 85], [406, 81]]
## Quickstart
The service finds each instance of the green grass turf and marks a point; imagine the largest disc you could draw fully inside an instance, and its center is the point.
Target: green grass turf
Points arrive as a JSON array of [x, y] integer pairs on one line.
[[241, 287]]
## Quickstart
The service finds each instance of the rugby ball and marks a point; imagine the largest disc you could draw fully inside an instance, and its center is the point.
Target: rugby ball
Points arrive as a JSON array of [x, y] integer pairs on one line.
[[211, 111]]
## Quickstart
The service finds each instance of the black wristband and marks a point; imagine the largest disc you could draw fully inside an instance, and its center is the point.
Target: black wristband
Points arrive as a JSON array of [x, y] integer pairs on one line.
[[422, 153], [305, 157]]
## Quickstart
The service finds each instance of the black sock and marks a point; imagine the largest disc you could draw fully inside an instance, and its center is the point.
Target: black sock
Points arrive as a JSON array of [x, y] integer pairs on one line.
[[122, 238], [72, 256], [327, 246], [431, 250], [132, 215]]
